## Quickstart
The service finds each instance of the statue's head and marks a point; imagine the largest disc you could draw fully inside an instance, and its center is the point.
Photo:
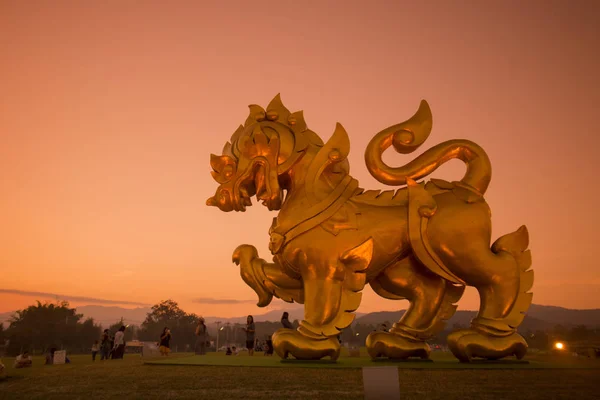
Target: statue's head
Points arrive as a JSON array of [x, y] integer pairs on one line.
[[259, 156]]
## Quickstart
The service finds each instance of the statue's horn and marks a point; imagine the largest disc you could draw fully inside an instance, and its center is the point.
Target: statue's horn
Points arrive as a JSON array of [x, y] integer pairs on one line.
[[216, 162], [219, 162]]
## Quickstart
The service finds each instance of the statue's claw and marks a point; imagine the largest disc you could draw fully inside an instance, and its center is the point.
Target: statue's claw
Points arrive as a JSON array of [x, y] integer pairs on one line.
[[467, 344], [291, 342], [246, 257], [394, 346]]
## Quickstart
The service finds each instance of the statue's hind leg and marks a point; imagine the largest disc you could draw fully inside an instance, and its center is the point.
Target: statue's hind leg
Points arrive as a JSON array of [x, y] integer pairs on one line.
[[431, 303], [503, 281]]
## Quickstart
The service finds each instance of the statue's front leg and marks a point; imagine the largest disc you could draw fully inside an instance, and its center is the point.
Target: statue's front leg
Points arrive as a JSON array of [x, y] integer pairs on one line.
[[266, 279], [332, 286], [316, 337]]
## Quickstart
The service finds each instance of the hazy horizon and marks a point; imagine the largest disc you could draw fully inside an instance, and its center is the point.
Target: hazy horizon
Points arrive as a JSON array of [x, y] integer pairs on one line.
[[280, 307], [109, 112]]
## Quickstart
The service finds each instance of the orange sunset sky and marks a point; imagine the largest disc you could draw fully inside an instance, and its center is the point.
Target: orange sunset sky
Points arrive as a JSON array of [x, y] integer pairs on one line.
[[109, 111]]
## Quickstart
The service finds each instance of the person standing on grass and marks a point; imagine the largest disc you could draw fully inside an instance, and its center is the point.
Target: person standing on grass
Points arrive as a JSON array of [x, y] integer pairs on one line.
[[165, 340], [95, 349], [50, 356], [119, 347], [250, 329], [200, 348], [104, 345], [269, 346], [111, 338], [285, 321]]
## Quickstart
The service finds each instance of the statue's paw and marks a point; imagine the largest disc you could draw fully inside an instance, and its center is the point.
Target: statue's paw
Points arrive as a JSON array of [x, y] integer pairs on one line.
[[291, 342], [246, 256], [390, 345], [467, 344]]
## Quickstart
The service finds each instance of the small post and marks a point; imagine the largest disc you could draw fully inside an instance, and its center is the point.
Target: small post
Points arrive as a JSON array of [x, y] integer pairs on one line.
[[381, 383]]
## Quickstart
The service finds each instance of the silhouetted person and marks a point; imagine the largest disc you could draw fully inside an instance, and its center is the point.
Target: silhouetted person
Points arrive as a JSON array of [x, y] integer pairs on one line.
[[95, 349], [119, 347], [285, 321], [105, 345], [201, 336], [111, 338], [50, 356], [250, 329], [269, 346], [165, 342]]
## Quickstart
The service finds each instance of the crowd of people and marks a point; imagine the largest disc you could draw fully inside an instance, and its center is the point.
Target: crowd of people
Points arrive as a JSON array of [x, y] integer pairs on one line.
[[113, 347], [110, 347], [252, 343], [25, 360], [202, 338]]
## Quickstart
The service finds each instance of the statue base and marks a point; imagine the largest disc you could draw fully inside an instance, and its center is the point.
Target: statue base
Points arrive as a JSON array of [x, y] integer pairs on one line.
[[492, 362], [403, 360], [295, 361]]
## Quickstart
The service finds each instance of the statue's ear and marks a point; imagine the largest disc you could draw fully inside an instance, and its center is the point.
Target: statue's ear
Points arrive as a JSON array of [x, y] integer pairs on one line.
[[334, 152], [296, 121]]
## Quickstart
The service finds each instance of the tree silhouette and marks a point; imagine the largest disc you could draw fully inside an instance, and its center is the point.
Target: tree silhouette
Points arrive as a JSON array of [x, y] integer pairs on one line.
[[168, 314], [41, 326], [129, 332]]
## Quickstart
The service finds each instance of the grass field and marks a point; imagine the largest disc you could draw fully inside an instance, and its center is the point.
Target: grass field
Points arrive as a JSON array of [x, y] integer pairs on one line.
[[441, 361], [131, 379]]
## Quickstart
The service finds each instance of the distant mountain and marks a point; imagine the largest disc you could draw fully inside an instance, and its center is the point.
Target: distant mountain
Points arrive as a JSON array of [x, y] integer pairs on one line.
[[4, 317], [295, 312], [108, 315], [538, 317], [565, 316]]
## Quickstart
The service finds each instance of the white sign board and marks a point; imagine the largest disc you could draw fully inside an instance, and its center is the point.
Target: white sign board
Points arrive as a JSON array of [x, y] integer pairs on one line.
[[381, 383], [150, 350], [60, 356]]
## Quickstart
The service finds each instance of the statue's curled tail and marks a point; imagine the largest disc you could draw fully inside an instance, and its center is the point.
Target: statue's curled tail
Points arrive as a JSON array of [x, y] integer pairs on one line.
[[407, 136]]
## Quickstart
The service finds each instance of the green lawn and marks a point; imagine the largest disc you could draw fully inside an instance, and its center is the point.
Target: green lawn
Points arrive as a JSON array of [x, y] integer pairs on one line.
[[131, 379], [440, 361]]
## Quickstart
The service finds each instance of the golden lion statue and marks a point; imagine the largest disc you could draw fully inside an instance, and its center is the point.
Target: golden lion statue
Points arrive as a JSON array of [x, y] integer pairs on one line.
[[423, 242]]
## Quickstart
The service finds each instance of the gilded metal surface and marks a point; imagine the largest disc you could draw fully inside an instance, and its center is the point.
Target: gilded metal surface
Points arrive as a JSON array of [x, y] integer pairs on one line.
[[423, 242]]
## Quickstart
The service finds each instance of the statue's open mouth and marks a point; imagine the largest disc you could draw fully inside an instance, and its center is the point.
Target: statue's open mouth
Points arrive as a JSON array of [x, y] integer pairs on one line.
[[255, 180]]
